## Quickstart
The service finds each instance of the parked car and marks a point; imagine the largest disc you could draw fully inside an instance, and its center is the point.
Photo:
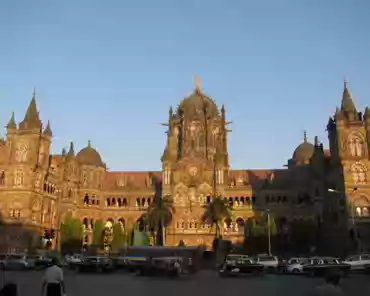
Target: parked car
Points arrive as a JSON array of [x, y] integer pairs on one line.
[[161, 266], [132, 263], [38, 261], [358, 262], [73, 261], [96, 263], [240, 265], [321, 265], [269, 262], [15, 262], [293, 265]]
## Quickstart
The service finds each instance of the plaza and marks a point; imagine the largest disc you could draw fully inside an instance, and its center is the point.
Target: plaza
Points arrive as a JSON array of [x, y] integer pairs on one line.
[[206, 283]]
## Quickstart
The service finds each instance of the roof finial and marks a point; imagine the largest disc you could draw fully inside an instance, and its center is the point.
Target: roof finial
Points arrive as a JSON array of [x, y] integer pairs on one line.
[[34, 93], [305, 136], [89, 143], [345, 82], [197, 83]]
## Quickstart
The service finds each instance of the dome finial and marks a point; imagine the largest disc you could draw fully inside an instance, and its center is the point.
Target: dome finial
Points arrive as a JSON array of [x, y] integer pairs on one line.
[[345, 82], [305, 136], [197, 83], [89, 144]]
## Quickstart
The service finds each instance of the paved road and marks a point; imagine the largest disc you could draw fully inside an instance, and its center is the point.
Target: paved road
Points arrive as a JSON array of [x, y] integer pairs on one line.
[[203, 284]]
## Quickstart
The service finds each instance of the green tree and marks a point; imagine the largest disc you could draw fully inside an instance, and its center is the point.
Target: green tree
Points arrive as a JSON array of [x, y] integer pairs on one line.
[[159, 216], [215, 212], [118, 240], [257, 230], [71, 232], [98, 234]]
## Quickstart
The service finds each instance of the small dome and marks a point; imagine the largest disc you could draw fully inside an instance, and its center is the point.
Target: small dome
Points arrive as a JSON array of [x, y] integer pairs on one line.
[[303, 153], [89, 156]]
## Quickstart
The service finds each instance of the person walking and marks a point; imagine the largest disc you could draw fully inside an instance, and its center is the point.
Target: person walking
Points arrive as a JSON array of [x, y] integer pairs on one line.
[[331, 287], [53, 282]]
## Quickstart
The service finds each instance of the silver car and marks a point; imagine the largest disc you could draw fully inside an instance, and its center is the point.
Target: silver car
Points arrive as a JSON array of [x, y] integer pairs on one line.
[[15, 262], [295, 265]]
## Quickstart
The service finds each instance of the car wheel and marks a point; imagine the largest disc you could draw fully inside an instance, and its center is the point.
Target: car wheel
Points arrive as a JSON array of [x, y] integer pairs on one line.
[[295, 270]]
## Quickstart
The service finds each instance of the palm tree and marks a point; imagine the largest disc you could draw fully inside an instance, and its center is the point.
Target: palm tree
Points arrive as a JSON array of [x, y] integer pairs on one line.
[[215, 212], [159, 216]]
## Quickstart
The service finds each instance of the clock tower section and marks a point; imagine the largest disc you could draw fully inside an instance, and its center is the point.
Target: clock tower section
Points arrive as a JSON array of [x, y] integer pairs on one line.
[[195, 162]]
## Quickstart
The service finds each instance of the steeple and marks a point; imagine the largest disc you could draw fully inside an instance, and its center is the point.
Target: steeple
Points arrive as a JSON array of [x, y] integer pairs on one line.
[[31, 119], [347, 105], [197, 84], [11, 124], [47, 131], [71, 152]]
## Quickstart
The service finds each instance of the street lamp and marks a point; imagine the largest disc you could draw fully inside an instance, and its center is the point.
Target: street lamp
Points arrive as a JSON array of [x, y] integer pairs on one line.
[[269, 230], [355, 233]]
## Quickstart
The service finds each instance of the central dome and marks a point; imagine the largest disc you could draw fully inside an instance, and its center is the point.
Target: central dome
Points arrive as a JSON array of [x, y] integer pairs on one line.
[[195, 105], [89, 156]]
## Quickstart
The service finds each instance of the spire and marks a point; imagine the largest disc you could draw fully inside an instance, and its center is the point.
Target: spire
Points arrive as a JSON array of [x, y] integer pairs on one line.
[[89, 144], [71, 151], [197, 83], [11, 124], [367, 114], [347, 101], [316, 141], [47, 131], [31, 119], [305, 136], [170, 113]]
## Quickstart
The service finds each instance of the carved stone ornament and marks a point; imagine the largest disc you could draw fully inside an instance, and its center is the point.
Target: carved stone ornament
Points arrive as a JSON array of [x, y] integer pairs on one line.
[[193, 171]]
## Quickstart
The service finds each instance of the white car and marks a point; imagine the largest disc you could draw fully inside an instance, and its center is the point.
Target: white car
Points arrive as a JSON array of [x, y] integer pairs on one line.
[[269, 262], [358, 262], [295, 265]]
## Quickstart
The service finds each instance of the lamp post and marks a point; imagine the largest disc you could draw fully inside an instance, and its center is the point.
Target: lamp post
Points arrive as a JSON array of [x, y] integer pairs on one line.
[[352, 210], [269, 230], [267, 210]]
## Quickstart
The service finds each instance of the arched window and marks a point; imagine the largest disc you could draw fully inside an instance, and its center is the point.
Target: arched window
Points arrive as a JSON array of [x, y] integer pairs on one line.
[[240, 225], [124, 203], [86, 223], [86, 199], [356, 145], [108, 202]]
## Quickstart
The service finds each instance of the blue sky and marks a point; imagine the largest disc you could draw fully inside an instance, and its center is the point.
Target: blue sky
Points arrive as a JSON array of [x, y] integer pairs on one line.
[[107, 71]]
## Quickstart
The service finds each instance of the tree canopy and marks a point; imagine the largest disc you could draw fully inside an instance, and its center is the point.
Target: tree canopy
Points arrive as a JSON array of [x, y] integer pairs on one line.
[[118, 240], [98, 233], [215, 212], [257, 230], [160, 214], [71, 232]]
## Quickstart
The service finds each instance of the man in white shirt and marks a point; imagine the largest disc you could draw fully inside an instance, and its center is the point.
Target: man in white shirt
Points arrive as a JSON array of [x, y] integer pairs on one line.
[[331, 288], [53, 280]]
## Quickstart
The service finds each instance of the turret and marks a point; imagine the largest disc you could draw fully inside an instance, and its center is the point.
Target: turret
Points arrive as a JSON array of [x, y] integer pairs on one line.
[[11, 126], [31, 120]]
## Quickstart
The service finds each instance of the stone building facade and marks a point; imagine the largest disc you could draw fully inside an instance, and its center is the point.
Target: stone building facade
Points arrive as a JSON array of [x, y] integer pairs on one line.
[[38, 189]]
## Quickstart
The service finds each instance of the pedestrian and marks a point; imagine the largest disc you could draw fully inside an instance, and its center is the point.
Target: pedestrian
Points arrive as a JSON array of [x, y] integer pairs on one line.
[[331, 287], [53, 282], [10, 289]]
